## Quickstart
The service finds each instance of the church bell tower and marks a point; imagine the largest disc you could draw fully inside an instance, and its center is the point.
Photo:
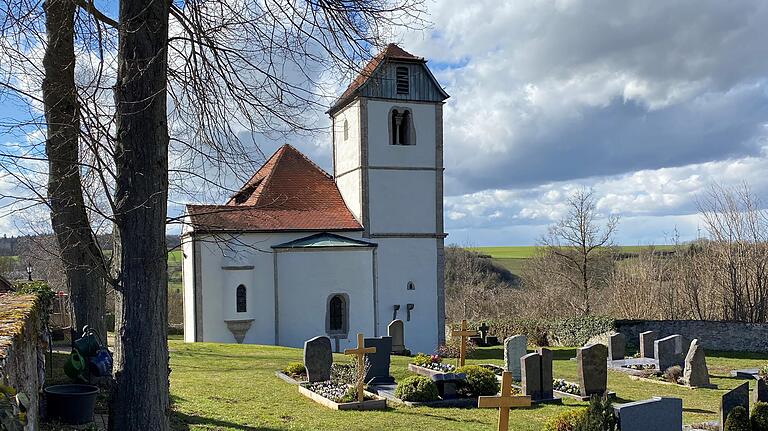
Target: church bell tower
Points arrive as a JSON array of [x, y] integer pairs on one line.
[[388, 166]]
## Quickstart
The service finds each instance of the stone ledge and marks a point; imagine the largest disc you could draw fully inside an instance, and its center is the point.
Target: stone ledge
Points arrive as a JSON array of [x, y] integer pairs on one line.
[[15, 312]]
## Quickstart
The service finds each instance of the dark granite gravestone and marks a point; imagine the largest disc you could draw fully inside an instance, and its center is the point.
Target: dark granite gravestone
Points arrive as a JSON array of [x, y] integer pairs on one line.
[[378, 363], [514, 349], [696, 373], [745, 373], [647, 340], [483, 330], [617, 344], [657, 414], [737, 397], [546, 373], [318, 359], [447, 384], [760, 393], [667, 352], [592, 363], [396, 331], [530, 368]]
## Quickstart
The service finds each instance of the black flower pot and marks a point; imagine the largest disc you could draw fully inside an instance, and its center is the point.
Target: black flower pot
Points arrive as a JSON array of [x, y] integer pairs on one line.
[[71, 404]]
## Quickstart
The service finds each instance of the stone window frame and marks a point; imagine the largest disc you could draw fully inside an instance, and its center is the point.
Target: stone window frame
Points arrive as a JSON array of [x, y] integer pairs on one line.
[[241, 290], [346, 129], [344, 331], [411, 128]]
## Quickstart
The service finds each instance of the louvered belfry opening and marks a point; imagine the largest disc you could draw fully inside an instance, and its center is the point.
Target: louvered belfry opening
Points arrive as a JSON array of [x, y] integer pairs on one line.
[[401, 78]]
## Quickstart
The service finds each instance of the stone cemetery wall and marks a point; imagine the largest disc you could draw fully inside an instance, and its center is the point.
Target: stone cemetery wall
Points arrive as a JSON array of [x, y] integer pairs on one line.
[[728, 336], [22, 349]]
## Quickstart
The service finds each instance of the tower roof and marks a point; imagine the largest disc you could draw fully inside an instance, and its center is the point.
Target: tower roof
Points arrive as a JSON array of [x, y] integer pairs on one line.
[[289, 192], [391, 53]]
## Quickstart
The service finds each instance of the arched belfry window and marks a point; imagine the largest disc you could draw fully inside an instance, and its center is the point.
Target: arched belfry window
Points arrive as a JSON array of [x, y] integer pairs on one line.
[[242, 299], [346, 130], [337, 322], [401, 127]]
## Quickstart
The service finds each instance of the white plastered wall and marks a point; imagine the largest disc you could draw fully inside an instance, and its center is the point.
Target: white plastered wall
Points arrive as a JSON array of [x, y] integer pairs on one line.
[[381, 153], [347, 157]]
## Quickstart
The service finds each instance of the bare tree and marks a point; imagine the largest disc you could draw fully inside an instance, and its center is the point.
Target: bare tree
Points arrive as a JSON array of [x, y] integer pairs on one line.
[[576, 250]]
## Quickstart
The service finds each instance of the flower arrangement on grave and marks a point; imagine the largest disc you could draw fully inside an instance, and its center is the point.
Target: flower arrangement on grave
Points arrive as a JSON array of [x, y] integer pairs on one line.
[[432, 362], [561, 385], [341, 387], [641, 367]]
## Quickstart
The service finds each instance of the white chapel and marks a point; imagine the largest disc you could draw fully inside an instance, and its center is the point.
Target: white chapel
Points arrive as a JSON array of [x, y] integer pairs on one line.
[[298, 253]]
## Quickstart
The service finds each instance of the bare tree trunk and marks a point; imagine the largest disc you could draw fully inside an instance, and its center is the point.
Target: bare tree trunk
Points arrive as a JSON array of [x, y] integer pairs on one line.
[[140, 396], [79, 250]]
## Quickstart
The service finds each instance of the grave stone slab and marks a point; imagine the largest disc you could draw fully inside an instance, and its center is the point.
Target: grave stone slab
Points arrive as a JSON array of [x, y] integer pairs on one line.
[[447, 384], [530, 368], [760, 393], [378, 362], [658, 414], [737, 397], [592, 363], [546, 373], [396, 331], [696, 372], [647, 339], [617, 344], [318, 359], [667, 353], [514, 349], [745, 373]]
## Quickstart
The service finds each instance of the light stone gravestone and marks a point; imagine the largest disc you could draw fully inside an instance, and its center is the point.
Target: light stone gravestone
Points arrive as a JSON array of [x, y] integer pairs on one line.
[[667, 353], [514, 349], [617, 344], [378, 361], [396, 330], [318, 359], [546, 373], [592, 362], [530, 368], [647, 340], [657, 414], [736, 397], [696, 372]]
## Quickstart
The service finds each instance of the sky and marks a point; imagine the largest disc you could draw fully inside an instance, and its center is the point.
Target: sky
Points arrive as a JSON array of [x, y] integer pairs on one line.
[[645, 103]]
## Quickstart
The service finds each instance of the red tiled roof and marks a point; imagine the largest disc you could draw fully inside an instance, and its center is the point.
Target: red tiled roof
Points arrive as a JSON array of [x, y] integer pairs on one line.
[[391, 52], [288, 192]]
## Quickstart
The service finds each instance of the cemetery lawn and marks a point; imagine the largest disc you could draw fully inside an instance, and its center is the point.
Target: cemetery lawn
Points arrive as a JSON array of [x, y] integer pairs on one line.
[[233, 387]]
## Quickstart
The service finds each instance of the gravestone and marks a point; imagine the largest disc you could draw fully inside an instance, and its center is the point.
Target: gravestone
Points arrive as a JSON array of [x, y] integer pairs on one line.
[[760, 393], [592, 363], [530, 369], [647, 340], [318, 359], [378, 361], [657, 414], [696, 372], [448, 383], [483, 330], [396, 331], [667, 353], [617, 344], [737, 397], [514, 349], [546, 373]]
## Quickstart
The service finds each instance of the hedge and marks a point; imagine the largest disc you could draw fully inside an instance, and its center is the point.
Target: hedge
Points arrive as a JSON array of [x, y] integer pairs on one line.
[[572, 331]]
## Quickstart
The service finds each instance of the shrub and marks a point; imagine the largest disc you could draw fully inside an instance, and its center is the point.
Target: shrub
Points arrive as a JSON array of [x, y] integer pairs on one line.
[[673, 374], [599, 416], [417, 389], [759, 417], [572, 331], [566, 421], [421, 360], [480, 381], [737, 420], [294, 369]]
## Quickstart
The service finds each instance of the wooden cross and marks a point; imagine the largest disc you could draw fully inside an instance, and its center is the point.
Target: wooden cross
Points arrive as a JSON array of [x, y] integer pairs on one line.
[[504, 401], [360, 352], [464, 334]]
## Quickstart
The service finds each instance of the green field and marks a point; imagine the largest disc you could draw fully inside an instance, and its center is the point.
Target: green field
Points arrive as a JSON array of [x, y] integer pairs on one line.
[[233, 387]]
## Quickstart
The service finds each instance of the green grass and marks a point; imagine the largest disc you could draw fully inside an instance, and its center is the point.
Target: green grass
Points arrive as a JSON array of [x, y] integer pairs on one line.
[[233, 387], [527, 252]]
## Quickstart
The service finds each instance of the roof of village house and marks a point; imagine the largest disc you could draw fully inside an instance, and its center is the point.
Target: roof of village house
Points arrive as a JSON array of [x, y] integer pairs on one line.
[[288, 193], [391, 52]]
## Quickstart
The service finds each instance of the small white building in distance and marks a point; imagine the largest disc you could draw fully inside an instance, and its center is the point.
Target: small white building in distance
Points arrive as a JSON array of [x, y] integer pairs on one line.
[[298, 253]]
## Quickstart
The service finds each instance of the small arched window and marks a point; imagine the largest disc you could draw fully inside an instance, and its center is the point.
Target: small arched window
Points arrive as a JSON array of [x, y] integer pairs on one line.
[[401, 127], [242, 299], [336, 313], [346, 130]]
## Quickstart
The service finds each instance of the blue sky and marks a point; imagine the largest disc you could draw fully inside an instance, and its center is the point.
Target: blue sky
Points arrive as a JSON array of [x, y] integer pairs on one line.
[[647, 103]]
